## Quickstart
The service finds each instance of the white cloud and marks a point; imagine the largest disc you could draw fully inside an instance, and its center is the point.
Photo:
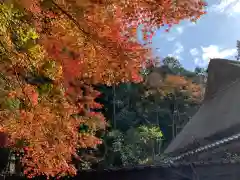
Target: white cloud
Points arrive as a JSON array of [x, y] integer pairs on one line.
[[199, 62], [211, 52], [214, 51], [171, 38], [196, 60], [229, 7], [178, 48], [179, 29], [174, 55], [194, 51]]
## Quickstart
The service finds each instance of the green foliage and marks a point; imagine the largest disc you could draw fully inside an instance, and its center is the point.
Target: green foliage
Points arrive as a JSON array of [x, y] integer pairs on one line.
[[136, 145], [9, 15], [50, 69], [12, 103], [26, 34], [172, 63], [45, 89], [176, 68], [199, 70], [150, 133]]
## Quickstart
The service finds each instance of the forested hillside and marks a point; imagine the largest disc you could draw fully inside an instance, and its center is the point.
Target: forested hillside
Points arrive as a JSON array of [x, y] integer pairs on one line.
[[144, 117]]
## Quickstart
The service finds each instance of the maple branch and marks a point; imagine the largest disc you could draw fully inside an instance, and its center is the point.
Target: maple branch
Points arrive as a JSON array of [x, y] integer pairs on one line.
[[93, 36], [71, 18]]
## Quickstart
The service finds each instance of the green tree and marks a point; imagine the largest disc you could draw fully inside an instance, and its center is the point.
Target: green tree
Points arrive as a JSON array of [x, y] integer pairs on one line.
[[199, 70], [175, 67], [172, 62], [137, 145]]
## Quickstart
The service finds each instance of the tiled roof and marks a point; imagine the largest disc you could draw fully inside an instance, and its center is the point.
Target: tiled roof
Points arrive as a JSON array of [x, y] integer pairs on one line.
[[203, 148]]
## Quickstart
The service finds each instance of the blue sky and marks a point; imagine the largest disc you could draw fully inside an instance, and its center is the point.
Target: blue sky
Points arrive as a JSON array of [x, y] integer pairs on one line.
[[213, 36]]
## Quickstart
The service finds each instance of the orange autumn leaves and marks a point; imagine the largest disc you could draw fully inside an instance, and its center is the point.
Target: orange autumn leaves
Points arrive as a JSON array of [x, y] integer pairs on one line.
[[154, 13], [92, 42], [31, 93], [28, 93], [99, 34], [95, 59], [51, 137], [175, 83], [50, 131], [51, 134]]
